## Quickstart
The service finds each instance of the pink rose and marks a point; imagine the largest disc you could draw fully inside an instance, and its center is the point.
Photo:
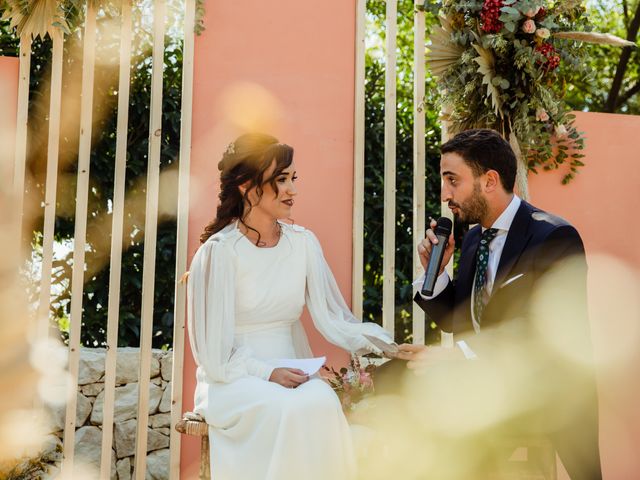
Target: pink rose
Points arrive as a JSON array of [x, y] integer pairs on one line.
[[541, 114], [533, 12], [529, 26], [543, 33]]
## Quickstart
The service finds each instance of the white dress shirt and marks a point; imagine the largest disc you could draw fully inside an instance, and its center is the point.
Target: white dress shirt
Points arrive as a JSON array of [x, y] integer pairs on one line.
[[502, 224]]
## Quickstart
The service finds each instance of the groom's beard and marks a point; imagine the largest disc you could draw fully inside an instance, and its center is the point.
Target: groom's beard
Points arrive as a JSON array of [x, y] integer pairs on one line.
[[472, 210]]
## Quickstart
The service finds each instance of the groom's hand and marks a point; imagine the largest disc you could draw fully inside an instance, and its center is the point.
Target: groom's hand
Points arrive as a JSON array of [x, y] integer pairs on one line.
[[426, 245], [410, 352], [420, 357]]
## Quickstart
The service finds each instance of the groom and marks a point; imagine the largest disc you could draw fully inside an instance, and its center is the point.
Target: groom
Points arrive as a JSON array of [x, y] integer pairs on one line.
[[521, 271]]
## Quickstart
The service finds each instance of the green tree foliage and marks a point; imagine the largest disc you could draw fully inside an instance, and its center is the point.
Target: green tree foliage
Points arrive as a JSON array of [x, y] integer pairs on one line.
[[614, 83]]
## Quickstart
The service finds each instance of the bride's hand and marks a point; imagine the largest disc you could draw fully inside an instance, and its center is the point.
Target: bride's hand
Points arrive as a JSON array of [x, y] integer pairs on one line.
[[288, 377]]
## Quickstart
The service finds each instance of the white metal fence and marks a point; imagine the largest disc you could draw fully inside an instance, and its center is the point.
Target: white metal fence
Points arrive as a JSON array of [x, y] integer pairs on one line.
[[82, 194], [419, 162]]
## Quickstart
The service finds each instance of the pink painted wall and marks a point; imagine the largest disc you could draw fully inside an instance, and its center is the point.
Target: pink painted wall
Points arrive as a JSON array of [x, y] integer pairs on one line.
[[602, 203], [9, 71], [605, 191], [288, 70]]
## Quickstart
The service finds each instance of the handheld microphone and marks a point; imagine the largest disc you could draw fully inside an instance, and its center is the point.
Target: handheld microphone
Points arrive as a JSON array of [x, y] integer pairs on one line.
[[442, 231]]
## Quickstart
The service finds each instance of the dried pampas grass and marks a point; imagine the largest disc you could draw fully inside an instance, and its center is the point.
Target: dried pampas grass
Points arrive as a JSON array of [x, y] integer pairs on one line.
[[594, 37]]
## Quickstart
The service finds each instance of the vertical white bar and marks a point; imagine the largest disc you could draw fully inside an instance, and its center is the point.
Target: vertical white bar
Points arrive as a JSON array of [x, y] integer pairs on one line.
[[389, 243], [419, 194], [51, 183], [182, 236], [113, 312], [80, 233], [358, 162], [21, 132], [444, 209], [150, 238]]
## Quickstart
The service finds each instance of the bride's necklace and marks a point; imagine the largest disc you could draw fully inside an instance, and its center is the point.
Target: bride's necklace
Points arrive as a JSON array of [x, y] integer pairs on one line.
[[262, 243]]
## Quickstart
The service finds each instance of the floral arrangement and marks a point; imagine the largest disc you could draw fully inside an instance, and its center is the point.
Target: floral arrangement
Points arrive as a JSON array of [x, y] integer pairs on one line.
[[351, 384], [497, 67]]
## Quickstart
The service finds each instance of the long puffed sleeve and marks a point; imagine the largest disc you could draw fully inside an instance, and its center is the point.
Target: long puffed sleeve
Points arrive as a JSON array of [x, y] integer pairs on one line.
[[211, 316], [331, 315]]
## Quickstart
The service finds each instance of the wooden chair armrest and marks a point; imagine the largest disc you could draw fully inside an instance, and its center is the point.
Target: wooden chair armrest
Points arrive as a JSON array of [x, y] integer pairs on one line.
[[193, 424]]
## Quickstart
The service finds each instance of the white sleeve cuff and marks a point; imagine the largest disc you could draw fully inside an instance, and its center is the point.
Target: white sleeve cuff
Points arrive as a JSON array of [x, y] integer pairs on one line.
[[258, 368], [446, 339], [441, 283]]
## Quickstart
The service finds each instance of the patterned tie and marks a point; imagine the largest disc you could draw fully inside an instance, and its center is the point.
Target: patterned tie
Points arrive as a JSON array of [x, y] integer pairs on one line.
[[482, 260]]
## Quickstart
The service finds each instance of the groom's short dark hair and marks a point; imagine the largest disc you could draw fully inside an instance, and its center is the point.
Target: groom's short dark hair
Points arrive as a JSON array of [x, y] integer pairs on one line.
[[483, 149]]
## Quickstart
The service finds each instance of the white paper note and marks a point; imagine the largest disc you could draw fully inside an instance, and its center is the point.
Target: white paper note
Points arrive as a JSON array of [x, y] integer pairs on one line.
[[307, 365]]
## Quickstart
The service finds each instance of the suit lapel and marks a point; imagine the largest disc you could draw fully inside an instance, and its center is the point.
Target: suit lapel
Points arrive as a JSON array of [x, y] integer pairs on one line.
[[464, 279], [517, 240], [467, 266]]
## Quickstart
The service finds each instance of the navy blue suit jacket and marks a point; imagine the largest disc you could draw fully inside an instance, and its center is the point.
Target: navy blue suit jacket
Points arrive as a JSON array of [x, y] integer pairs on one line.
[[536, 242]]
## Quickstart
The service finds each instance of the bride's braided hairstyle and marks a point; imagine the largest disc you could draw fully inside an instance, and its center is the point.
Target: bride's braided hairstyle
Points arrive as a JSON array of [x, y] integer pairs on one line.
[[245, 162]]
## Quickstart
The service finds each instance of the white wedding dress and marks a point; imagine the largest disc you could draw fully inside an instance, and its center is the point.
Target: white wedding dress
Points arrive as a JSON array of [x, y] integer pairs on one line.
[[244, 309]]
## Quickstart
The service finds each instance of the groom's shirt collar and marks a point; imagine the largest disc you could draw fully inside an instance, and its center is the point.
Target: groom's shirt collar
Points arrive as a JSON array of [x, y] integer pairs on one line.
[[504, 221]]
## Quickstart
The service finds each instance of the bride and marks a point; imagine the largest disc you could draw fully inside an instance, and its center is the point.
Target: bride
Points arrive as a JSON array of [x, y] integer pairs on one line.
[[248, 284]]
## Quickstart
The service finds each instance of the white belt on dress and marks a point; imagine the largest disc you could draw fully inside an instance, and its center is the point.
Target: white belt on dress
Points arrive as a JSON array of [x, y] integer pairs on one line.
[[242, 329]]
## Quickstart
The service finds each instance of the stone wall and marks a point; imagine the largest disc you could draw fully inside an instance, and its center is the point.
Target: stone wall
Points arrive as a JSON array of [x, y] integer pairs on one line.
[[90, 407]]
